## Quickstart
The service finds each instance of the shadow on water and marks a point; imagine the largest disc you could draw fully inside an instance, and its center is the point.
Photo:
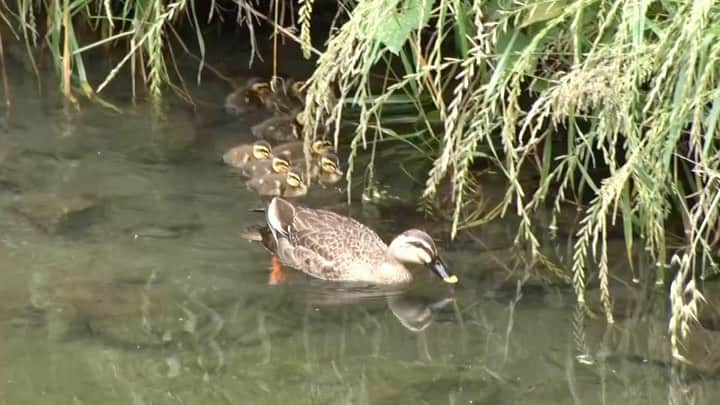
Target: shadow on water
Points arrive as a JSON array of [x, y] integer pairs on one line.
[[123, 280]]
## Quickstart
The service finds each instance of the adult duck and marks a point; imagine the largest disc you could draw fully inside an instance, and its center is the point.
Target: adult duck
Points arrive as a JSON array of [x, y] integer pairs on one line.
[[333, 247]]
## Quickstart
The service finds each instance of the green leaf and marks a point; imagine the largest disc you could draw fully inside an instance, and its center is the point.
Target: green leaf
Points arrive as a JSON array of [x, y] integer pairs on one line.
[[398, 18], [509, 45], [627, 217], [542, 10]]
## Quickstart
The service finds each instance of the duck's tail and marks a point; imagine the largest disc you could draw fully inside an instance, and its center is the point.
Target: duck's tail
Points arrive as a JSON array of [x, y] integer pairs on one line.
[[253, 234], [262, 234]]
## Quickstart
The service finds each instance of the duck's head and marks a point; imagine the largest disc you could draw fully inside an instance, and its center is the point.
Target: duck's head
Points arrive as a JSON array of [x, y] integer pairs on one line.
[[297, 89], [294, 185], [417, 247], [261, 150], [280, 165], [321, 147], [300, 118], [240, 154], [330, 168], [298, 124], [260, 89], [243, 98]]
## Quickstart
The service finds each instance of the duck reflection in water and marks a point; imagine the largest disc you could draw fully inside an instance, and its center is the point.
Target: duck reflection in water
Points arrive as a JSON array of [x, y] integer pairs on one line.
[[414, 311]]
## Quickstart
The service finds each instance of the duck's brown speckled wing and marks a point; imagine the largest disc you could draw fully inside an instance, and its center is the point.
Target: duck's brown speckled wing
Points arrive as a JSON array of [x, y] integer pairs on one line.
[[328, 245]]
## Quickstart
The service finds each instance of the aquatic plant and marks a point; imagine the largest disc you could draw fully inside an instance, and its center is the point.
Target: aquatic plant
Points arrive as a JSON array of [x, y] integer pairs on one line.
[[564, 88], [141, 25], [148, 34]]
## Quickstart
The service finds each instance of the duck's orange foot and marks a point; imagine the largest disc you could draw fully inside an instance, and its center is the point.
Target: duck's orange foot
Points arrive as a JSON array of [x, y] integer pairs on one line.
[[277, 275]]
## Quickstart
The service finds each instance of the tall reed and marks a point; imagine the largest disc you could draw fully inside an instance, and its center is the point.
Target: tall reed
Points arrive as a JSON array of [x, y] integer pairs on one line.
[[629, 86]]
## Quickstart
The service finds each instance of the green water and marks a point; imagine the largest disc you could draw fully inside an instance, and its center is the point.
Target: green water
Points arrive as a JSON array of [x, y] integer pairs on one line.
[[124, 281]]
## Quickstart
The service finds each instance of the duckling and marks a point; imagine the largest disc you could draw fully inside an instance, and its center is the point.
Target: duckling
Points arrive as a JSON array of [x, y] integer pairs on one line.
[[247, 97], [297, 90], [288, 184], [326, 169], [259, 168], [240, 155], [332, 247], [329, 169], [281, 128], [287, 97], [294, 150]]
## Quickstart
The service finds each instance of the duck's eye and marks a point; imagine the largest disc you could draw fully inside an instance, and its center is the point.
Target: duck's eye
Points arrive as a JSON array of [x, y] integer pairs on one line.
[[322, 147], [329, 166], [293, 180], [261, 88], [281, 166], [261, 152], [427, 250]]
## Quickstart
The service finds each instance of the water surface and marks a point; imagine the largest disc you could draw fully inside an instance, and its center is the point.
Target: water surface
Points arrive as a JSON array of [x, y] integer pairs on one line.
[[123, 280]]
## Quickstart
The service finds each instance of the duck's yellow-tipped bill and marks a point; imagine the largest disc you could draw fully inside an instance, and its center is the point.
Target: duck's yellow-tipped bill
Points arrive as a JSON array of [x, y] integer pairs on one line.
[[439, 268]]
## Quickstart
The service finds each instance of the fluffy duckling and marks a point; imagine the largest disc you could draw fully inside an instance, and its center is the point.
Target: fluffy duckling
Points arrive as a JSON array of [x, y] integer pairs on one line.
[[295, 91], [239, 156], [294, 150], [288, 184], [288, 96], [247, 97], [259, 168], [281, 128], [326, 169], [329, 171]]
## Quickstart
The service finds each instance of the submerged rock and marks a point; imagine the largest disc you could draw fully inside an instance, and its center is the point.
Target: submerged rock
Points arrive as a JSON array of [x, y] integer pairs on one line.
[[54, 212], [8, 186]]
